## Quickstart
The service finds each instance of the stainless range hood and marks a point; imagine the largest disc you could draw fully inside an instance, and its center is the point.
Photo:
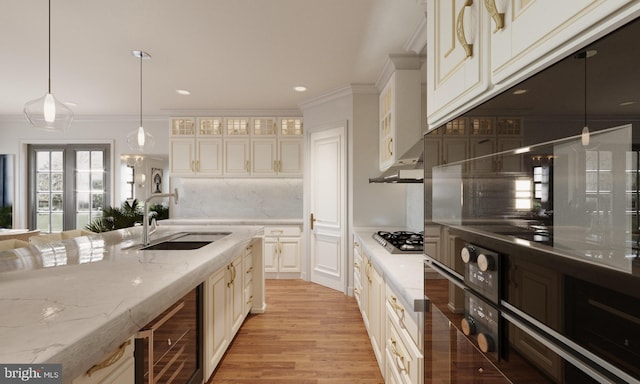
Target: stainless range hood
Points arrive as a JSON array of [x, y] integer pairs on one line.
[[409, 168]]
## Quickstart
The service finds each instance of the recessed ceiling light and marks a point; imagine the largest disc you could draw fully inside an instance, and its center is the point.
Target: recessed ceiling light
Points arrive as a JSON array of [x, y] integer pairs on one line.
[[183, 92], [626, 103], [300, 88], [520, 91]]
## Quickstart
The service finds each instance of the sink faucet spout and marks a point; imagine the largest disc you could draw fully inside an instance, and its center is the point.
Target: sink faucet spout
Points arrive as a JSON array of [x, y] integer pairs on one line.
[[145, 220]]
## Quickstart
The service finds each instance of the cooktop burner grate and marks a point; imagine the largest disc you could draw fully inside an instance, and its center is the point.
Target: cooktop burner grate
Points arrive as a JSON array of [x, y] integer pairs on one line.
[[401, 241]]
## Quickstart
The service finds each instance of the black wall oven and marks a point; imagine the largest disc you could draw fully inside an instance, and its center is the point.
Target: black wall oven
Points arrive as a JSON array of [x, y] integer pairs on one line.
[[537, 276]]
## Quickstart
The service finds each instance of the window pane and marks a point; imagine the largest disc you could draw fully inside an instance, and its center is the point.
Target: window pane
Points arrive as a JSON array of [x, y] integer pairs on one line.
[[56, 222], [82, 201], [82, 181], [42, 181], [97, 181], [56, 202], [42, 161], [82, 160], [97, 202], [57, 182], [82, 219], [43, 222], [97, 161], [43, 202], [57, 160]]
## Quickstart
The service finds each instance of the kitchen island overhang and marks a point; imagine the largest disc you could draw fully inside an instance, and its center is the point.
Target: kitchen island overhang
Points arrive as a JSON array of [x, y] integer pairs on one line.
[[73, 301]]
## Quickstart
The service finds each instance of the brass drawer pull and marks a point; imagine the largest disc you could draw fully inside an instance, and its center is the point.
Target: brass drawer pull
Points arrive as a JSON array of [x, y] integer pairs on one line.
[[462, 38], [110, 360], [497, 17]]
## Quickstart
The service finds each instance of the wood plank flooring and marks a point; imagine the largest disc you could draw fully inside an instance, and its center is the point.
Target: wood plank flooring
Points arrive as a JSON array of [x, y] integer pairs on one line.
[[309, 335]]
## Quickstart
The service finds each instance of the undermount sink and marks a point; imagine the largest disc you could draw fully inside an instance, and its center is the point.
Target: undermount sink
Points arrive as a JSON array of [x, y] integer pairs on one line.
[[185, 241], [176, 245]]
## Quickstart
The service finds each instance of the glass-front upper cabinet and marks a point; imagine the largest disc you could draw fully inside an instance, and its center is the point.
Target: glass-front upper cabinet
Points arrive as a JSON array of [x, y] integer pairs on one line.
[[210, 126], [290, 126], [237, 126], [183, 126], [263, 126]]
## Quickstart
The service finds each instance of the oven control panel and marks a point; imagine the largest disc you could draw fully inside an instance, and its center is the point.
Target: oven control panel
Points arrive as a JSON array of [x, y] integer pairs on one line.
[[481, 321], [482, 271]]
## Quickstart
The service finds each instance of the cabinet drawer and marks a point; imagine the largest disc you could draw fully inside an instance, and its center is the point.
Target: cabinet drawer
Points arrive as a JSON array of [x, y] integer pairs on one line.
[[248, 295], [403, 316], [403, 355], [120, 371], [293, 230]]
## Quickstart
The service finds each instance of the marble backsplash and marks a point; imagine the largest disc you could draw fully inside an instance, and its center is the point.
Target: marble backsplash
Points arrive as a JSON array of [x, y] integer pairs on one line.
[[237, 198]]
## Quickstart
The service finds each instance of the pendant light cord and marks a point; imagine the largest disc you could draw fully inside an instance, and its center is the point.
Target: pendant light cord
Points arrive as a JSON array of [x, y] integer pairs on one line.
[[49, 46], [585, 88], [141, 57]]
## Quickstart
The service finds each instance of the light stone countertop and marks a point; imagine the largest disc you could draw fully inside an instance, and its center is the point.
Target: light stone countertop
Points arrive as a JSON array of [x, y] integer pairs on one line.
[[403, 272], [74, 301], [231, 222]]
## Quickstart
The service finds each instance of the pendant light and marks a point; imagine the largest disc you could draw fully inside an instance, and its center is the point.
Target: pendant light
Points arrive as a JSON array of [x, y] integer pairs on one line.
[[584, 55], [47, 112], [140, 140]]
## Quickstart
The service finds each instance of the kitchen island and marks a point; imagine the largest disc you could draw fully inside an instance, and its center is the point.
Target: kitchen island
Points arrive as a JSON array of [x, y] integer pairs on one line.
[[75, 301]]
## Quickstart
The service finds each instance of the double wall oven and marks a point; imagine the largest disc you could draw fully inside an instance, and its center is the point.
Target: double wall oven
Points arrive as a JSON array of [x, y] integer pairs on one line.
[[533, 274]]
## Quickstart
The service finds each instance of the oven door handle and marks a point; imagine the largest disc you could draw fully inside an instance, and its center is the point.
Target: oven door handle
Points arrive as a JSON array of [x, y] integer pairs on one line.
[[446, 272]]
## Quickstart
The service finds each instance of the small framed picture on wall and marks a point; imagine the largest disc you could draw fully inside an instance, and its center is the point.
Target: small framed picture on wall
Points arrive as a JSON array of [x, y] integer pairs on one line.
[[156, 180]]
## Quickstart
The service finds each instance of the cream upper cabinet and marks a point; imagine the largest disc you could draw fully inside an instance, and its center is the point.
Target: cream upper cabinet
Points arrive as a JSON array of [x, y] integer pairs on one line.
[[237, 146], [237, 157], [525, 30], [399, 107], [457, 56], [196, 146], [478, 48]]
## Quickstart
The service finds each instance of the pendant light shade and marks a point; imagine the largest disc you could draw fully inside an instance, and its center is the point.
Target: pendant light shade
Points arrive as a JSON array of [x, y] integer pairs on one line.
[[585, 135], [140, 140], [47, 112]]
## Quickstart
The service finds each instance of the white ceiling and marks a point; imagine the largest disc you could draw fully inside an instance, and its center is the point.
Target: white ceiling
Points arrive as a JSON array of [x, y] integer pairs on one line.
[[231, 54]]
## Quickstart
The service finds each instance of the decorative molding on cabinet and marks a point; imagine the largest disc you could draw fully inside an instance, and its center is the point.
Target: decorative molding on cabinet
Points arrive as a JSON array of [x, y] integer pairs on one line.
[[397, 62], [418, 41]]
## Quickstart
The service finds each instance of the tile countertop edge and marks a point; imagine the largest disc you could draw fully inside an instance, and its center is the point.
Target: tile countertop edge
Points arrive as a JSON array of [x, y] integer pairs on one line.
[[103, 328], [403, 272]]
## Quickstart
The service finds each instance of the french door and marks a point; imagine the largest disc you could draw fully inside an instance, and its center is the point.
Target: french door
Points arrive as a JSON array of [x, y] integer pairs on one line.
[[68, 185]]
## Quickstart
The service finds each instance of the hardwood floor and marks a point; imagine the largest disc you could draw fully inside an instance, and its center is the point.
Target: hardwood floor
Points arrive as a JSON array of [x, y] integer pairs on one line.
[[308, 335]]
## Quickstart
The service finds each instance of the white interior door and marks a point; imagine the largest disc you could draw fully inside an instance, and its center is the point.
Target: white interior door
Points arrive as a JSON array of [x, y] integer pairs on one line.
[[327, 207]]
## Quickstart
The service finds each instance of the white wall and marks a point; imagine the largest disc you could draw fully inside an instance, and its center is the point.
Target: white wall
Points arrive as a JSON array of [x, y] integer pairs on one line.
[[16, 133]]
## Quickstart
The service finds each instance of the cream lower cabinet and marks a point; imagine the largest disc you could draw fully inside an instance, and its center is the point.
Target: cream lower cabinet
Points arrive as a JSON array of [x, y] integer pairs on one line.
[[376, 313], [282, 252], [370, 297], [225, 307], [404, 359], [115, 368]]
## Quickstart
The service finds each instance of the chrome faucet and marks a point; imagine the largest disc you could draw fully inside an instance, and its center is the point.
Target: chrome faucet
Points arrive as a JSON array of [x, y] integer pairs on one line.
[[145, 220]]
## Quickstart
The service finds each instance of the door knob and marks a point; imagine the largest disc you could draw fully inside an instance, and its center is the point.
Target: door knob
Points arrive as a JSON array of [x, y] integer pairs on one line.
[[312, 220]]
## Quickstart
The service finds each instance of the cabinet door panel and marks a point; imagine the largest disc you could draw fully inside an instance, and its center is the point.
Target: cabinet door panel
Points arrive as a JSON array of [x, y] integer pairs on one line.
[[236, 157], [290, 157], [454, 77], [290, 254], [210, 157], [518, 44], [182, 156], [263, 154], [270, 255], [216, 336]]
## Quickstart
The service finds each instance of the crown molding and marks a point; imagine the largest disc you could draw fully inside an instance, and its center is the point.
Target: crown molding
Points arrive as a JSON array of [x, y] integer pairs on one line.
[[395, 62]]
